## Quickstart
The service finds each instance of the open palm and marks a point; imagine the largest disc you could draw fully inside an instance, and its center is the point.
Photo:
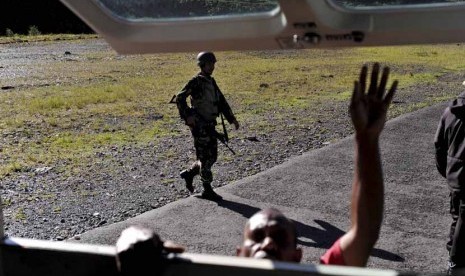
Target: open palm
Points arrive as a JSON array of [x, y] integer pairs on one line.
[[368, 109]]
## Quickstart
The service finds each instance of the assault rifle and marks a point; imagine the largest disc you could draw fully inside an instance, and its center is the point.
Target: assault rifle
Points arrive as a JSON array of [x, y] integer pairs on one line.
[[225, 131], [224, 140]]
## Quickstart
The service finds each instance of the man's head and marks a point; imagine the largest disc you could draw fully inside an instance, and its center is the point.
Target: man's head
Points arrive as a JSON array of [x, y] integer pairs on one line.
[[206, 61], [270, 235]]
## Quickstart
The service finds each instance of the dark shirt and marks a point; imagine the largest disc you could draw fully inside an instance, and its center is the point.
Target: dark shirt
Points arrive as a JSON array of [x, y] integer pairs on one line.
[[450, 144], [207, 100]]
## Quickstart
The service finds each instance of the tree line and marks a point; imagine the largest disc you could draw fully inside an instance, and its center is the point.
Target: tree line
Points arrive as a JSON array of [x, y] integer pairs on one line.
[[45, 16]]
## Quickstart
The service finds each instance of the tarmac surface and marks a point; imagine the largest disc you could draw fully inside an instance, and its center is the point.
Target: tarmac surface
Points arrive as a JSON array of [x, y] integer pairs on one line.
[[314, 190]]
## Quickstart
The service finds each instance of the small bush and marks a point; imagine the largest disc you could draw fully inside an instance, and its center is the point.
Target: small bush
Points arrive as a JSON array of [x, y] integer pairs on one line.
[[33, 30], [9, 32]]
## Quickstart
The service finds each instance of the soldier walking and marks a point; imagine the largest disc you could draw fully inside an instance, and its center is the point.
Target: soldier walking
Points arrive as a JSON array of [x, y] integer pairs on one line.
[[207, 103]]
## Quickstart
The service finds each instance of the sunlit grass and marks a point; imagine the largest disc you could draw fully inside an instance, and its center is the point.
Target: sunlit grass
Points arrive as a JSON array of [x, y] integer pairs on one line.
[[17, 38], [49, 99]]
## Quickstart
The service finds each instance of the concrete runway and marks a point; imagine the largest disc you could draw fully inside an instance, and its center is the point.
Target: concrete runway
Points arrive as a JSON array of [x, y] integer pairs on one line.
[[314, 190]]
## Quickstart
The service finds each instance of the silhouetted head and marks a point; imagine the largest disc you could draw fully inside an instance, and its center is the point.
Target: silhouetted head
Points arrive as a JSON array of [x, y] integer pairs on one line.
[[206, 61]]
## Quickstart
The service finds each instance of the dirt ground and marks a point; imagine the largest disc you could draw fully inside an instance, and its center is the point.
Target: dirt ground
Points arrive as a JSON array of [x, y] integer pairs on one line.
[[147, 177]]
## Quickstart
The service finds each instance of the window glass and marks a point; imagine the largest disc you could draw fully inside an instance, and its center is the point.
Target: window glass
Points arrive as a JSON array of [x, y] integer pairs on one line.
[[378, 3], [159, 9]]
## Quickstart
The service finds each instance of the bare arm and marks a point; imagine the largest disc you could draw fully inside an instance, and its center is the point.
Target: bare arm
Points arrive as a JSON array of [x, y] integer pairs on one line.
[[368, 112]]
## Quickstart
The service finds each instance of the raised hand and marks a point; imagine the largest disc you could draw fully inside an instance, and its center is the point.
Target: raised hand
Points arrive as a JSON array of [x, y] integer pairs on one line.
[[368, 109]]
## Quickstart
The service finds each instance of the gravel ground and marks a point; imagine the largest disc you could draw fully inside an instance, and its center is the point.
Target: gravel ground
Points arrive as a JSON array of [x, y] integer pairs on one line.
[[127, 181]]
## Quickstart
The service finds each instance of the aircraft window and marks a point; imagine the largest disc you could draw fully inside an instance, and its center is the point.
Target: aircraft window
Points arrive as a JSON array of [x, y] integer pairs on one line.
[[360, 4], [155, 26], [146, 10]]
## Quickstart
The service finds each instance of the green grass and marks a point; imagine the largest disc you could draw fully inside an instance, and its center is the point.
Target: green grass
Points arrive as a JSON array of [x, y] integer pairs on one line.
[[168, 181], [17, 38], [6, 202], [105, 100], [20, 215]]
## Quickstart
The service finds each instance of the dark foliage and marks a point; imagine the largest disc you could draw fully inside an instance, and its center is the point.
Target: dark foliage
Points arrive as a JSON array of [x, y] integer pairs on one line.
[[50, 16]]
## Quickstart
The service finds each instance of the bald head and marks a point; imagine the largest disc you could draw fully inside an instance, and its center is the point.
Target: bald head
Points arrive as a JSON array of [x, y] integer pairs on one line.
[[269, 234], [273, 216]]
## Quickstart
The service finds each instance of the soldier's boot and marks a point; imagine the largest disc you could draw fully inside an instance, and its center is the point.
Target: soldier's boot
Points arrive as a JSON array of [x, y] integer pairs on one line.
[[209, 194], [188, 176]]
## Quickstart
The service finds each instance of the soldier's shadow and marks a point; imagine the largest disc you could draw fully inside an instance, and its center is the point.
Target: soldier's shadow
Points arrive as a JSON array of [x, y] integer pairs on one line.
[[308, 235]]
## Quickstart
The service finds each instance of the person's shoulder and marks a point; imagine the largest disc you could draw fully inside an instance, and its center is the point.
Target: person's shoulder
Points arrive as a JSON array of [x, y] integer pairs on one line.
[[195, 80]]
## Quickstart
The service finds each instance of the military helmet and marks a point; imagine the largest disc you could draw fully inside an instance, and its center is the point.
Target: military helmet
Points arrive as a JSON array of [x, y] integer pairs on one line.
[[204, 57]]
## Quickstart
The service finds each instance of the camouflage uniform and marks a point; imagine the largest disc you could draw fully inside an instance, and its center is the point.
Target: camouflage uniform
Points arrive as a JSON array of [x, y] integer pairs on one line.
[[207, 102]]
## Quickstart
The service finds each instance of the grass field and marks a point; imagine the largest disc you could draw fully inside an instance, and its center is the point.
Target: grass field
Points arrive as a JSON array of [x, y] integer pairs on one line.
[[90, 102], [18, 38]]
